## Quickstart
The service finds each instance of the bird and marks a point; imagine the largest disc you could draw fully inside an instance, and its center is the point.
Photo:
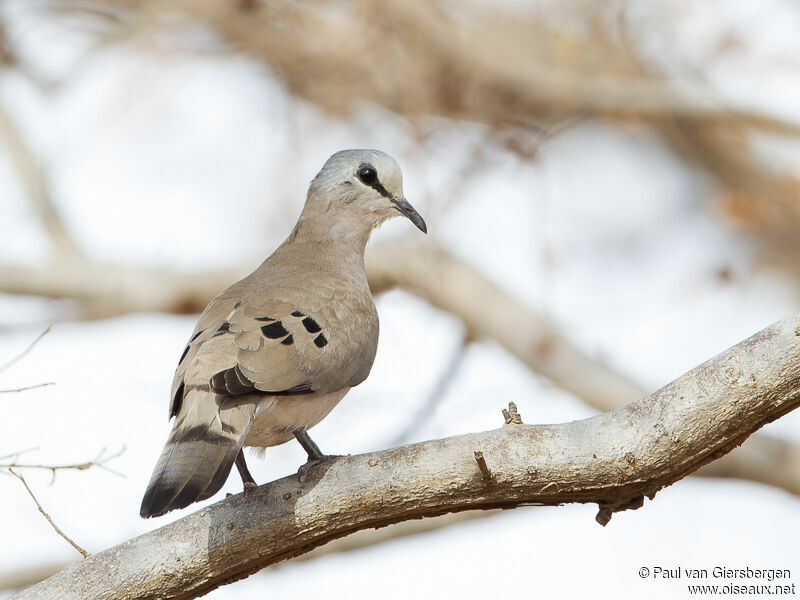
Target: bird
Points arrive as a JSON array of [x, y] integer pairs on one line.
[[275, 352]]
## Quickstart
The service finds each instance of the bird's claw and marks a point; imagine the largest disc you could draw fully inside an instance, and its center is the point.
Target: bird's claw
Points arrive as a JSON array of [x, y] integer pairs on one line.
[[313, 462]]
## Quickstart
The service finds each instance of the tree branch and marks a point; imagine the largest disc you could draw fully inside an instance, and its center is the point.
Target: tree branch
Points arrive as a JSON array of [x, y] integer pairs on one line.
[[456, 287], [110, 290], [99, 461], [614, 459]]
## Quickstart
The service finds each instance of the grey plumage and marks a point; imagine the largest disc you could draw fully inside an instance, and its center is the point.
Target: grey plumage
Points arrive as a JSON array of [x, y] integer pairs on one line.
[[275, 352]]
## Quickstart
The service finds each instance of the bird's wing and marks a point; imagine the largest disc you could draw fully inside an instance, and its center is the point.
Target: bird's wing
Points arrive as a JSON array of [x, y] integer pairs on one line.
[[259, 345], [280, 348]]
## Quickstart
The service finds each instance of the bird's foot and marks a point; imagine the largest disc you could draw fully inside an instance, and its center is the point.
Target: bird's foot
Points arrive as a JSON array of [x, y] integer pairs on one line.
[[304, 470], [249, 486]]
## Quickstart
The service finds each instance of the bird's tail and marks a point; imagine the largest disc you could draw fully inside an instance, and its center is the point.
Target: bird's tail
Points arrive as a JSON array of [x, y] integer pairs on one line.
[[205, 440]]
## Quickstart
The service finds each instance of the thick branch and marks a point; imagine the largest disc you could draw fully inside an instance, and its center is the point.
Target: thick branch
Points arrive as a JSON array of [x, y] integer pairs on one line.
[[458, 288], [108, 290], [613, 459]]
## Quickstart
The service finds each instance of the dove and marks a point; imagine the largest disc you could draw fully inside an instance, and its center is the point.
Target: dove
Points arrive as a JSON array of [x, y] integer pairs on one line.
[[274, 353]]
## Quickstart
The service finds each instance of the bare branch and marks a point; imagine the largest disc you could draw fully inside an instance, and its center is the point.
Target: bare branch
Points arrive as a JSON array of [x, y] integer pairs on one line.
[[46, 516], [26, 388], [108, 290], [100, 461], [614, 459], [25, 352]]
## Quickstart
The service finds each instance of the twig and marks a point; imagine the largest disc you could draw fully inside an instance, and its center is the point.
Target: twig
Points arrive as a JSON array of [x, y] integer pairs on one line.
[[511, 415], [46, 516], [27, 387], [487, 474], [22, 354], [100, 462]]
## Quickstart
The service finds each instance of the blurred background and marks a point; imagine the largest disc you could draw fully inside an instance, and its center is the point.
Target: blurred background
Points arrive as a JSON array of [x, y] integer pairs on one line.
[[612, 195]]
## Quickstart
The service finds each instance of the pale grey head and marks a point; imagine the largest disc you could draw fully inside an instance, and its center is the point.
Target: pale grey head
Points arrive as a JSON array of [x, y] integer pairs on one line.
[[363, 186]]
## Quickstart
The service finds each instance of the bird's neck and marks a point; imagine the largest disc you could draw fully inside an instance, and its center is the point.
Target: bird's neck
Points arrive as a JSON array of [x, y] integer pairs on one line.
[[315, 245], [343, 227]]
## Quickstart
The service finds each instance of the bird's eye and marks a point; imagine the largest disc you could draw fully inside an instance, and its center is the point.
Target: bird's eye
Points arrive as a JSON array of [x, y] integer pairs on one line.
[[368, 175]]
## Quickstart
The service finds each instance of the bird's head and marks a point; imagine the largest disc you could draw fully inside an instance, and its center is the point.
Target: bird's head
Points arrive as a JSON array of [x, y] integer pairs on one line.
[[360, 188]]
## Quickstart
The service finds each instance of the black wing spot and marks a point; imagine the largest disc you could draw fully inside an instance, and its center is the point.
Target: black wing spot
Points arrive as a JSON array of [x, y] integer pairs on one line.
[[195, 336], [177, 401], [311, 325], [288, 341], [320, 341], [265, 318], [274, 330], [297, 313], [231, 382], [222, 329], [185, 352]]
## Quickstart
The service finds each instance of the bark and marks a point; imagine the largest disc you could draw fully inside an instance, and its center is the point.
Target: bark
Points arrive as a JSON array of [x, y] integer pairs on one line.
[[614, 459]]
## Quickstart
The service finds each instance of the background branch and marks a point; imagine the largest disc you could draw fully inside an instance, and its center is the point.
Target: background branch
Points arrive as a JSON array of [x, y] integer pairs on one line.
[[101, 461], [419, 59], [35, 186], [26, 388], [613, 459]]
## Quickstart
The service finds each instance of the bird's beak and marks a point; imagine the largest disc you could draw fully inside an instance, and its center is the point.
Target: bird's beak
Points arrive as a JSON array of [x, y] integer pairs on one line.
[[406, 209]]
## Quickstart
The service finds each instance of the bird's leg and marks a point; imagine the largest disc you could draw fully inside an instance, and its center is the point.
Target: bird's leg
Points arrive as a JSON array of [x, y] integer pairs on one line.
[[244, 472], [315, 455], [313, 451]]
